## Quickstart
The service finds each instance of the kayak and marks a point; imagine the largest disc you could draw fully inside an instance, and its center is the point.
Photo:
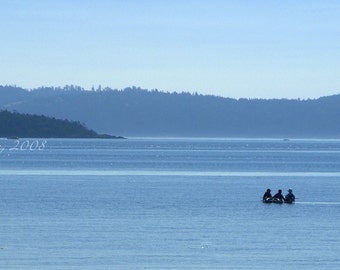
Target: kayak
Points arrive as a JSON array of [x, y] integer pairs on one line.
[[278, 201], [273, 200]]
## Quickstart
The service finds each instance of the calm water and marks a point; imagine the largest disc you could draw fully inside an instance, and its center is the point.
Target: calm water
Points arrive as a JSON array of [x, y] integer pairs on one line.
[[168, 204]]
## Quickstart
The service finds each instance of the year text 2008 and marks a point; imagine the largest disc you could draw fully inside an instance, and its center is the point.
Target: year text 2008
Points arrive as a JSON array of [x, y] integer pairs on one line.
[[25, 145]]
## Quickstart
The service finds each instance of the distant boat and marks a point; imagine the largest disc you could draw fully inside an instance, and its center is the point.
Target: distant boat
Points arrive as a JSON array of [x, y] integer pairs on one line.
[[13, 138], [286, 140]]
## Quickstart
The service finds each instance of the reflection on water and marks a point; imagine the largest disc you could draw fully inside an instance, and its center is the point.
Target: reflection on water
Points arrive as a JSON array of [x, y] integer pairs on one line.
[[167, 173]]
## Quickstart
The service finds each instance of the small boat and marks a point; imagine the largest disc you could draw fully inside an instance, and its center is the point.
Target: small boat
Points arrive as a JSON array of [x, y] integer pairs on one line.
[[13, 138], [273, 200]]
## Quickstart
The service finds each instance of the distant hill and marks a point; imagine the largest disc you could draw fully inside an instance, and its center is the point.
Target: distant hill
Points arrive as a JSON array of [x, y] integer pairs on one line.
[[14, 124], [138, 112]]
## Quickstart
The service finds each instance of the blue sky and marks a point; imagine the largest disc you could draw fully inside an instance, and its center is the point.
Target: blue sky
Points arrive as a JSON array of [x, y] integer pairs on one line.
[[251, 49]]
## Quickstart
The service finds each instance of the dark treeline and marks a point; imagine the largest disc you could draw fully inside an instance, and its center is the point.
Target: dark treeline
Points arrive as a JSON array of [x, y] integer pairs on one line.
[[13, 124], [137, 112]]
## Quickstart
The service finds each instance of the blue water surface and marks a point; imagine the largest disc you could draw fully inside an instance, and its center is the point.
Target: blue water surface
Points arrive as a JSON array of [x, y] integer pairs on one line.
[[168, 204]]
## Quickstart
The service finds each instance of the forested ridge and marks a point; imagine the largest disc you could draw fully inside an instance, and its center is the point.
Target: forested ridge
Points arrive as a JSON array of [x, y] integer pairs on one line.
[[139, 112], [13, 124]]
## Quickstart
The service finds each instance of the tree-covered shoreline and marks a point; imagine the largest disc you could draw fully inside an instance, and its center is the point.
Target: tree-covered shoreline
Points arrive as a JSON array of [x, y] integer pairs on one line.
[[14, 124], [136, 112]]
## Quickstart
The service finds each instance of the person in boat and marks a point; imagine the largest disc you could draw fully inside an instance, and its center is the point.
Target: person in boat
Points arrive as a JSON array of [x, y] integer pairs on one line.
[[290, 196], [267, 195], [278, 196]]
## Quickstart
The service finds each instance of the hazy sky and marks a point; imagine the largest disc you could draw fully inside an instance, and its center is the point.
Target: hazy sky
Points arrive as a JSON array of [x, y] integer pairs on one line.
[[255, 49]]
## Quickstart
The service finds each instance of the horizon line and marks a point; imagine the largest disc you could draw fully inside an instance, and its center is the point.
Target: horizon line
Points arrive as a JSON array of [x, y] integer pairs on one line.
[[195, 93]]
